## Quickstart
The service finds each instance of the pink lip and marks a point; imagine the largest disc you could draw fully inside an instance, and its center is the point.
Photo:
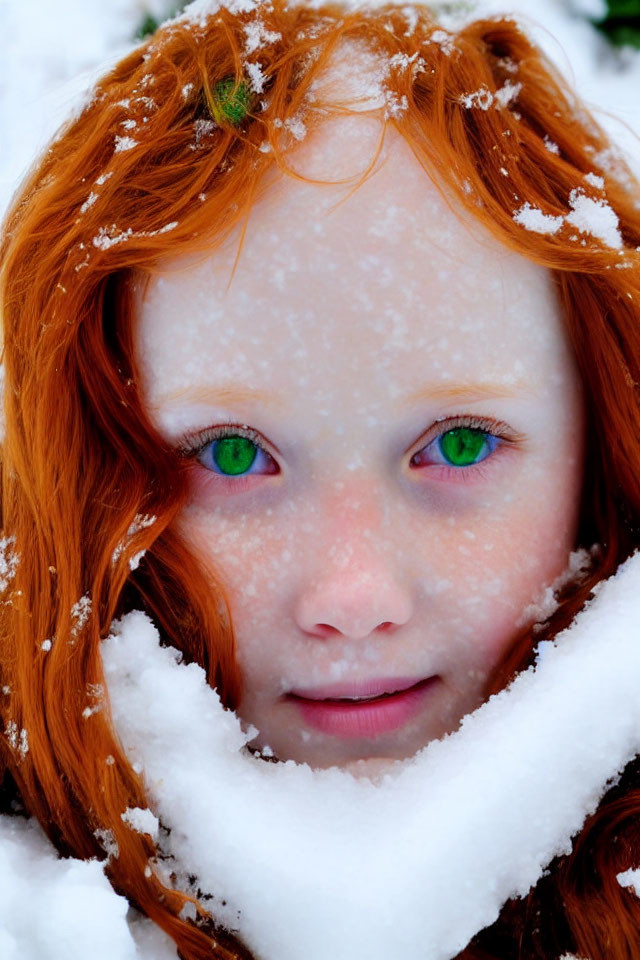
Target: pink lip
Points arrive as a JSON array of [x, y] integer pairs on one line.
[[396, 701]]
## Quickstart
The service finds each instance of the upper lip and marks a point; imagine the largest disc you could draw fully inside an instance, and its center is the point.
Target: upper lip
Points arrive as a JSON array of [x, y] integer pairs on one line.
[[352, 689]]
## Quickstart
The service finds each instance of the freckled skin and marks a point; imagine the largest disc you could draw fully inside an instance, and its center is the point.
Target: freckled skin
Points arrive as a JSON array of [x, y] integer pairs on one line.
[[349, 563]]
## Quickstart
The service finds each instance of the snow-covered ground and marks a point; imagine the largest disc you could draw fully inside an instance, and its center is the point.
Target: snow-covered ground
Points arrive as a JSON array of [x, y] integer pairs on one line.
[[49, 909]]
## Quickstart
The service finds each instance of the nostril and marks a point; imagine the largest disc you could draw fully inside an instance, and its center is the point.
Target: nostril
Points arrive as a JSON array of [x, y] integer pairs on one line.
[[386, 625], [325, 630]]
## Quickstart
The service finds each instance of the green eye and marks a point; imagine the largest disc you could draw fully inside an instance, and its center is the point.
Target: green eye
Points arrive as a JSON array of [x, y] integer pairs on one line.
[[234, 455], [464, 446]]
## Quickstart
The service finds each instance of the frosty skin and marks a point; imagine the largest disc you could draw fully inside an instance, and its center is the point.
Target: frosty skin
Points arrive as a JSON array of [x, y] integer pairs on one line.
[[357, 326]]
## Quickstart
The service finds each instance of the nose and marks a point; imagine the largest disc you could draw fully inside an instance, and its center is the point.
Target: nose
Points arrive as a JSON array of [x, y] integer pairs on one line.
[[354, 597]]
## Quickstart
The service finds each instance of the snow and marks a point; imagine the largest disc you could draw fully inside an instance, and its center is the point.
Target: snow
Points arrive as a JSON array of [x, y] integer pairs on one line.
[[594, 217], [9, 560], [142, 821], [52, 909], [300, 856], [531, 218], [631, 880], [588, 215]]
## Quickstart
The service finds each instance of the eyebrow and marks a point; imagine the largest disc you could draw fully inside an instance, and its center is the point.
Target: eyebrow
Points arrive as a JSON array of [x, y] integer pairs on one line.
[[232, 396], [467, 392], [239, 396]]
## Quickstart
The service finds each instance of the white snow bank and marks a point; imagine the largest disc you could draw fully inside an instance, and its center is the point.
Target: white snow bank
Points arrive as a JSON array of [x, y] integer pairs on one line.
[[321, 865], [54, 909]]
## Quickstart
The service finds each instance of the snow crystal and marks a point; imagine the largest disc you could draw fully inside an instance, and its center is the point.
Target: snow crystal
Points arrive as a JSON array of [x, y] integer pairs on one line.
[[411, 16], [198, 12], [17, 739], [106, 839], [551, 146], [186, 91], [130, 124], [402, 61], [108, 237], [327, 845], [296, 127], [444, 40], [9, 560], [258, 36], [257, 78], [142, 821], [594, 217], [508, 64], [141, 521], [46, 645], [202, 128], [395, 106], [80, 613], [507, 93], [134, 561], [595, 180], [579, 565], [124, 143], [482, 99], [89, 202], [631, 880], [531, 218], [147, 102]]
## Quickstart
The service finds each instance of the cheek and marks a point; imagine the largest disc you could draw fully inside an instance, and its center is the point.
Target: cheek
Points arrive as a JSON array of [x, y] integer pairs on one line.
[[254, 562]]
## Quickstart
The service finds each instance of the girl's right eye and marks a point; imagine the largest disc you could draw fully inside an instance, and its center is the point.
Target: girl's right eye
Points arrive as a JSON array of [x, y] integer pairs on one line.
[[229, 452]]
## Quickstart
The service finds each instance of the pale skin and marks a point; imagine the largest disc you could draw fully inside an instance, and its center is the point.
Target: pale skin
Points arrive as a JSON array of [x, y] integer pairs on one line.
[[351, 337]]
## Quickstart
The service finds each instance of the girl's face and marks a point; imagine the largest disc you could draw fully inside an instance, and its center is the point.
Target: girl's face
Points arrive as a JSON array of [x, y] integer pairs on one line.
[[387, 431]]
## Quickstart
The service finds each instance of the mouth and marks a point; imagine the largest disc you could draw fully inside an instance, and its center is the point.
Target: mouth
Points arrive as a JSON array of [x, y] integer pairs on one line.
[[363, 710]]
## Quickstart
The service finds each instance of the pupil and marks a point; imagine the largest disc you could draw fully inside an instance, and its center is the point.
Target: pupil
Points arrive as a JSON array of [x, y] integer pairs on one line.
[[462, 445], [234, 455]]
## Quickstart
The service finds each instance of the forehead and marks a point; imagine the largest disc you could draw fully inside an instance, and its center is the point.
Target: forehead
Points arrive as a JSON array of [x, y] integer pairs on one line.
[[383, 286]]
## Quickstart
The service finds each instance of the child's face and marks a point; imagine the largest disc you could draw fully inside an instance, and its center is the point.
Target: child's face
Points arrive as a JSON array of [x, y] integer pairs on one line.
[[409, 470]]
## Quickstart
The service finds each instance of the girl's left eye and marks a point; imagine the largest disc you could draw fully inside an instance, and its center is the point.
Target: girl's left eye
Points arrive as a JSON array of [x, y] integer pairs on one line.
[[229, 452], [461, 446]]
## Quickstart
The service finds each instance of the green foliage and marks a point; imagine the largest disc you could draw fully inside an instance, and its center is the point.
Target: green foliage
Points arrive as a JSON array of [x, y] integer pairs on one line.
[[150, 24], [231, 101], [623, 8], [622, 23]]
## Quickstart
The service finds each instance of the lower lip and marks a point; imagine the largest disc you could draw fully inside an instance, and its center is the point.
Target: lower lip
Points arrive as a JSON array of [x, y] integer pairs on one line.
[[364, 718]]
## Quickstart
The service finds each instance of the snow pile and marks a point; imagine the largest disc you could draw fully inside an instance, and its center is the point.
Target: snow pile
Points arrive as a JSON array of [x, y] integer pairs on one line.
[[52, 909], [320, 864]]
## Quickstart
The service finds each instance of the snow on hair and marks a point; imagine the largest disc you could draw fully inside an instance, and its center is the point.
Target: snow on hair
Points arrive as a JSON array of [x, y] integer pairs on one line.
[[81, 461]]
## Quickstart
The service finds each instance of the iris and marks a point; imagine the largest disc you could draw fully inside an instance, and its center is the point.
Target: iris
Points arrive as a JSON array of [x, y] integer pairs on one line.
[[233, 455], [464, 446]]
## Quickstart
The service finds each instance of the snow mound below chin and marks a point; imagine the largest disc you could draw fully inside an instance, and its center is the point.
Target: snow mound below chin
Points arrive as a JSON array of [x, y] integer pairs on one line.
[[322, 865]]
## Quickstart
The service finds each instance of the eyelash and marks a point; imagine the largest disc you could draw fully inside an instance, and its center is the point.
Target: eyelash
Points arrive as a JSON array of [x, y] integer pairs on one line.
[[191, 445]]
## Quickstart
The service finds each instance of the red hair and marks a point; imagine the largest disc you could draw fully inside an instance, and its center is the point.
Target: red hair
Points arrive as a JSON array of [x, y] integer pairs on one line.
[[84, 471]]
